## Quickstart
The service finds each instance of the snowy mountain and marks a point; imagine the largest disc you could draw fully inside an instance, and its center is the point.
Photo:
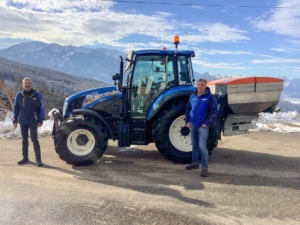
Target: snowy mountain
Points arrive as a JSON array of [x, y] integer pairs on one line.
[[98, 63], [207, 76]]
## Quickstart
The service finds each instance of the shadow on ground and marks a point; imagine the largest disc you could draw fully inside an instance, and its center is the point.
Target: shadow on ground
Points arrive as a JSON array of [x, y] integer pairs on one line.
[[148, 172]]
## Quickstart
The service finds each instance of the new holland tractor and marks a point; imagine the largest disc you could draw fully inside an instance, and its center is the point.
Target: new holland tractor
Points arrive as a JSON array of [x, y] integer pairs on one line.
[[149, 106]]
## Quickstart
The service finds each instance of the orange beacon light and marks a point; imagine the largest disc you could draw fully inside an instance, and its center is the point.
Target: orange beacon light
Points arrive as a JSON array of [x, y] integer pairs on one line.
[[176, 40]]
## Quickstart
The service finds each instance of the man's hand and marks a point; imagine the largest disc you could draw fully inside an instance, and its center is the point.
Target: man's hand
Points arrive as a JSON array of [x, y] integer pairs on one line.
[[15, 124], [204, 125], [40, 124], [188, 125]]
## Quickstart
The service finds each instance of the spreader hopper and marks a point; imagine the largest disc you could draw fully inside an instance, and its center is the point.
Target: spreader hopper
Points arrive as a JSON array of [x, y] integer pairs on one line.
[[243, 98]]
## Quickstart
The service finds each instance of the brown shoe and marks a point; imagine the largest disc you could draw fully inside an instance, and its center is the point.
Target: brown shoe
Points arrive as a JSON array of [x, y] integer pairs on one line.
[[204, 172]]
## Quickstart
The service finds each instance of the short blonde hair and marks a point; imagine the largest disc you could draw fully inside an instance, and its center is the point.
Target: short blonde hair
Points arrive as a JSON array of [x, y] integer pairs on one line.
[[26, 78]]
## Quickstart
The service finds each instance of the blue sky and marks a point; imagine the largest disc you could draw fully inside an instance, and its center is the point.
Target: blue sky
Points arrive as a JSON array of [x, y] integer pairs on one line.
[[233, 40]]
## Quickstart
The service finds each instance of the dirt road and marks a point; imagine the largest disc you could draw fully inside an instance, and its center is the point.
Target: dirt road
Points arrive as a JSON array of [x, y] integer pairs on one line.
[[255, 179]]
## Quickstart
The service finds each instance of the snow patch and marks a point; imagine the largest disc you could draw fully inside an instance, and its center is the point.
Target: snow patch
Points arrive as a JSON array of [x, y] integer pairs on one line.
[[132, 148], [283, 122], [287, 122]]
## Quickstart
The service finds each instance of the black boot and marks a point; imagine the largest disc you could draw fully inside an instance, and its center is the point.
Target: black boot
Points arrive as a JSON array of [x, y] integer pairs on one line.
[[23, 161], [37, 152], [25, 156], [39, 163]]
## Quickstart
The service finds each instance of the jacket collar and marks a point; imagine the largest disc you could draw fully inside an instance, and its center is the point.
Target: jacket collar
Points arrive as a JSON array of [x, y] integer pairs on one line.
[[206, 91], [30, 96]]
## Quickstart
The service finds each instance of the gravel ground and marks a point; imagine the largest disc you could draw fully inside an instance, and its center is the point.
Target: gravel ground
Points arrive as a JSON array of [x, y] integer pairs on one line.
[[254, 179]]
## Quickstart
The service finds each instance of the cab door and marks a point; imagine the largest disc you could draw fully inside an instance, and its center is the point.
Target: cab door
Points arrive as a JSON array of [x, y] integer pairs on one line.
[[152, 75]]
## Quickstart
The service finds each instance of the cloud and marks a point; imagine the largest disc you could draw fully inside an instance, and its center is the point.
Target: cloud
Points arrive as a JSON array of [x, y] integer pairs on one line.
[[61, 6], [233, 66], [165, 14], [295, 69], [88, 22], [149, 45], [199, 51], [197, 7], [78, 28], [280, 50], [275, 61], [296, 42], [222, 52], [216, 32], [281, 21]]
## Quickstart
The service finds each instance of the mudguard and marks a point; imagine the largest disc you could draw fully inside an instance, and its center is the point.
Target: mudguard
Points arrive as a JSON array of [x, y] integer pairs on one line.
[[97, 115], [172, 93]]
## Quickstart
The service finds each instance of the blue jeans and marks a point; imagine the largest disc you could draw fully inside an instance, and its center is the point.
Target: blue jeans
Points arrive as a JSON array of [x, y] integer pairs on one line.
[[199, 143]]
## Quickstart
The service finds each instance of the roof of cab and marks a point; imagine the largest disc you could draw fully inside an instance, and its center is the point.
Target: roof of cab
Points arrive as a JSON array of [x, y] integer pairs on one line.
[[163, 52]]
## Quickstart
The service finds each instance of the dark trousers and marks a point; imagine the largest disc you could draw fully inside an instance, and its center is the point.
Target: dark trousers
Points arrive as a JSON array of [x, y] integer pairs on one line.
[[34, 138]]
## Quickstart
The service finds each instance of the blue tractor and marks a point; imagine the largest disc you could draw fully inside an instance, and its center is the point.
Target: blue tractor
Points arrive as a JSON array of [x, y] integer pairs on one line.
[[149, 108]]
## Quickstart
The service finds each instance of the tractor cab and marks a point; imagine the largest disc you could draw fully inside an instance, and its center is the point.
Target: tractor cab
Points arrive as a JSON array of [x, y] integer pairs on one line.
[[154, 72]]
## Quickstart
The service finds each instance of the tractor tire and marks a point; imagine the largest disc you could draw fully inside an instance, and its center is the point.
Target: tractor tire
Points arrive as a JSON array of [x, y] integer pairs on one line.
[[167, 134], [213, 136], [211, 144], [80, 141]]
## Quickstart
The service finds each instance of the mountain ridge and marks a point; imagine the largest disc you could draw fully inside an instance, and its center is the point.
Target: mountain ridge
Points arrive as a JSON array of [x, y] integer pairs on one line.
[[95, 63], [99, 63], [11, 71]]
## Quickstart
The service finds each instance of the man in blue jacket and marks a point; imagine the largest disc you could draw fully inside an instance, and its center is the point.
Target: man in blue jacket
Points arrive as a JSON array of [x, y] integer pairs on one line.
[[200, 111], [29, 112]]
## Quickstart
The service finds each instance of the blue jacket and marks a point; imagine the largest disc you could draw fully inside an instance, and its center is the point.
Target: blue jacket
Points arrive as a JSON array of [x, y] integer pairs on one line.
[[201, 109], [29, 110]]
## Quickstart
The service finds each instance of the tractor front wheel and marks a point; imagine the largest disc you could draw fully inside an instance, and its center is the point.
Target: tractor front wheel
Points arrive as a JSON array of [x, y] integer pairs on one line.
[[80, 141]]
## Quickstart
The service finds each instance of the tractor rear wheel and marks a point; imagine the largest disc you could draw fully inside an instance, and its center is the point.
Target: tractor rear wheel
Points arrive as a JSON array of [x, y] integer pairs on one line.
[[169, 139], [80, 141], [173, 140]]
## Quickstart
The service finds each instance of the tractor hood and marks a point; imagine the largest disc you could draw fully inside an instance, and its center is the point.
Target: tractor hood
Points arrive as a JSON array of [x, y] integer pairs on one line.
[[87, 99]]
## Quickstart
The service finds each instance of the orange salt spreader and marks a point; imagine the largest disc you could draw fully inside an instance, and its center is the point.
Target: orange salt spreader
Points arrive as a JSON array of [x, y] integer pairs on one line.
[[240, 100]]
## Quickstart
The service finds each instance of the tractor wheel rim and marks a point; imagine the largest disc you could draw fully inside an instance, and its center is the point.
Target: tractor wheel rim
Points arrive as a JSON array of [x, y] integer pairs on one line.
[[77, 149], [182, 143]]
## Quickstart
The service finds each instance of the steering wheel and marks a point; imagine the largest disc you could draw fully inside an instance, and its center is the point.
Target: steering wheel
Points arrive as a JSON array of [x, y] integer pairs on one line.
[[171, 83]]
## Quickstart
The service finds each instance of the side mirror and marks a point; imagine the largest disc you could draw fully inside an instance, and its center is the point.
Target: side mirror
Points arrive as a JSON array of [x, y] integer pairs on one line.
[[116, 77]]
